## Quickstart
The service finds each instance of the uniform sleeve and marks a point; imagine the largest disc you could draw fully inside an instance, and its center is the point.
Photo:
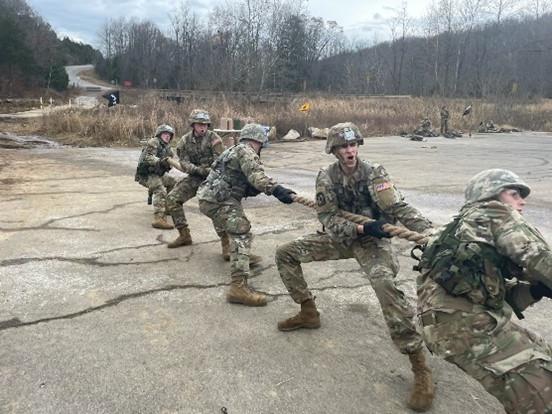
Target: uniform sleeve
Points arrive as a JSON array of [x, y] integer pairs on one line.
[[522, 243], [338, 228], [217, 145], [392, 203], [184, 157], [150, 157], [251, 166]]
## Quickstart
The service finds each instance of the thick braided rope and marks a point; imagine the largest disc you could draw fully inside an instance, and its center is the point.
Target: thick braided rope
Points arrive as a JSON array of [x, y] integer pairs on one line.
[[396, 231]]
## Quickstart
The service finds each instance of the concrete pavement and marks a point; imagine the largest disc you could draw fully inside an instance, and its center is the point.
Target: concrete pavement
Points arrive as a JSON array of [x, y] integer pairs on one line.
[[98, 316]]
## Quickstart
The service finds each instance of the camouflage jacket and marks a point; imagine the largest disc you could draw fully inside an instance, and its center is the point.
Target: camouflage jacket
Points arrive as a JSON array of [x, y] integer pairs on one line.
[[154, 150], [444, 114], [237, 173], [498, 227], [369, 192], [196, 152]]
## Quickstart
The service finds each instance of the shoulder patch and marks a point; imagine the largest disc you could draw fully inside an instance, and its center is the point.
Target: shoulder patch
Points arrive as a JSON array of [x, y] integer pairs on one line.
[[386, 185]]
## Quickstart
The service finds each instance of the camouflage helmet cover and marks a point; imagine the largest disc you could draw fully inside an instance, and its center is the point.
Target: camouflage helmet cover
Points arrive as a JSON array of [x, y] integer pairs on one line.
[[164, 128], [341, 133], [199, 116], [490, 183], [253, 132]]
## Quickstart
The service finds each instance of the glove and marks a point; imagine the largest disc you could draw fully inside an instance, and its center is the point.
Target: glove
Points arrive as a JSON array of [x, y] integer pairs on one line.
[[540, 290], [375, 229], [162, 166], [283, 194], [203, 171]]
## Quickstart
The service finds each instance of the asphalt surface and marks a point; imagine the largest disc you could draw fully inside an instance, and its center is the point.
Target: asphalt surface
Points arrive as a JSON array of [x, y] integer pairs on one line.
[[98, 316]]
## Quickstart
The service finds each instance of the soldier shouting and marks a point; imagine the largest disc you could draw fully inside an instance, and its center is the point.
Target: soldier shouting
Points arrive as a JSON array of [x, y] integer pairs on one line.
[[359, 187]]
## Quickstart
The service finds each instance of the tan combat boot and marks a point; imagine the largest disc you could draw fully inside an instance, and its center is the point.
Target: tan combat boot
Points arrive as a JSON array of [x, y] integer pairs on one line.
[[308, 318], [159, 222], [423, 392], [255, 260], [184, 239], [239, 292], [225, 243]]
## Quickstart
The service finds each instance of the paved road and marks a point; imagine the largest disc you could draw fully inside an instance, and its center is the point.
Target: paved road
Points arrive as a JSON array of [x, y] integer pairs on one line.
[[88, 99], [98, 316]]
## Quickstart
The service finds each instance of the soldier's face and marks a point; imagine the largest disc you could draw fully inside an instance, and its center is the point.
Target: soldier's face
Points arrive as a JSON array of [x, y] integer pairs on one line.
[[513, 198], [200, 129], [165, 137], [347, 154]]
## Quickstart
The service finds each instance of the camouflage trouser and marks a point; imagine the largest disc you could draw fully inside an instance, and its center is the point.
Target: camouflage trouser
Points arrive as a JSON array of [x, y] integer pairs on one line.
[[444, 126], [512, 363], [185, 189], [378, 262], [159, 187], [231, 219]]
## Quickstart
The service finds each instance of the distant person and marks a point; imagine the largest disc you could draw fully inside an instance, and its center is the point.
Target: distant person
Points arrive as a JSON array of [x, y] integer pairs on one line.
[[236, 174], [196, 152], [151, 172], [444, 120], [360, 187], [467, 293]]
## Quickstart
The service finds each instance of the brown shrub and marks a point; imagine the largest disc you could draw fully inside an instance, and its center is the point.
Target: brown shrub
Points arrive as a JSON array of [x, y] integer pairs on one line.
[[126, 125]]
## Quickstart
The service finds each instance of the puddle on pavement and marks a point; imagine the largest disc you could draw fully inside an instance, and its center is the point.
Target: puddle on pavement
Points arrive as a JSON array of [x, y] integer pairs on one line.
[[10, 141]]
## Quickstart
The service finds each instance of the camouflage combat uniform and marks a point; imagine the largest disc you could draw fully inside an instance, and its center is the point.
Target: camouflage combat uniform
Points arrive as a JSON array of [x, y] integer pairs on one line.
[[465, 302], [151, 176], [236, 174], [196, 156], [444, 120], [369, 192]]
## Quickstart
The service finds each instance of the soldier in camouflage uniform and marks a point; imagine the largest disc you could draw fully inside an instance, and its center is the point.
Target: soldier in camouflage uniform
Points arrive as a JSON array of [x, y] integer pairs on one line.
[[151, 170], [359, 187], [239, 173], [196, 152], [467, 294], [444, 120]]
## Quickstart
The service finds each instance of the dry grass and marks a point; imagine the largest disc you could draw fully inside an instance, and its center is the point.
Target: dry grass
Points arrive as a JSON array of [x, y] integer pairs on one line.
[[126, 125]]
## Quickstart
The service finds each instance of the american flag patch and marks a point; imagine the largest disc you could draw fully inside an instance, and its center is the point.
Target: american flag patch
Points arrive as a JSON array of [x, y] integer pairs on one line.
[[383, 186]]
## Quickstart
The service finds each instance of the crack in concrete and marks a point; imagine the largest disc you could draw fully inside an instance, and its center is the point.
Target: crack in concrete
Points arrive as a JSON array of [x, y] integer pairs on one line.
[[72, 192], [47, 225], [92, 261], [17, 323], [10, 230], [90, 177], [117, 249], [11, 199]]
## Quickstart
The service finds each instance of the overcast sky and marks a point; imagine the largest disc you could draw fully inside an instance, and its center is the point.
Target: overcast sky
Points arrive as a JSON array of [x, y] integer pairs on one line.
[[82, 19]]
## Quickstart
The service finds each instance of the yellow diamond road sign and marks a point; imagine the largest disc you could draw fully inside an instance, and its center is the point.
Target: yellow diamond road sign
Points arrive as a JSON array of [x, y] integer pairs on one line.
[[305, 107]]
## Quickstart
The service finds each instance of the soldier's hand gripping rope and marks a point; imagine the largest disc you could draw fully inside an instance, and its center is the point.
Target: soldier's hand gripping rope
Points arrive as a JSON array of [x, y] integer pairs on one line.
[[388, 228]]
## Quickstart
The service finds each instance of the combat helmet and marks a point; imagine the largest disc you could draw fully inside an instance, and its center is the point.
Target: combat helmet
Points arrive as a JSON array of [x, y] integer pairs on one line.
[[342, 133], [253, 132], [199, 116], [164, 128], [490, 183]]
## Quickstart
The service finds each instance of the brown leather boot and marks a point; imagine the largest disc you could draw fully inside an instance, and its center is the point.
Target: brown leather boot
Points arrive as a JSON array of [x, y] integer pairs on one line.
[[423, 392], [159, 222], [308, 318], [255, 260], [225, 243], [184, 239], [239, 292]]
